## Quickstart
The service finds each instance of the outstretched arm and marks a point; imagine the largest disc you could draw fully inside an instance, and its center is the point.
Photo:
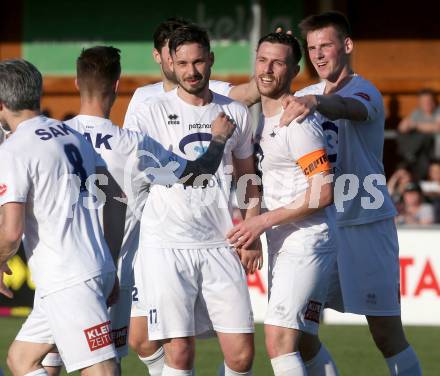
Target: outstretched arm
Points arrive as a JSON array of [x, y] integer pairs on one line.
[[332, 106], [246, 93]]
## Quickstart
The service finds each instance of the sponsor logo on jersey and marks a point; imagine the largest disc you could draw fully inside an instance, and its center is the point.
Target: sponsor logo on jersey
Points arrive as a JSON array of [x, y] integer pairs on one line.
[[99, 336], [363, 95], [173, 119], [3, 189], [313, 311], [199, 126], [197, 138], [119, 336]]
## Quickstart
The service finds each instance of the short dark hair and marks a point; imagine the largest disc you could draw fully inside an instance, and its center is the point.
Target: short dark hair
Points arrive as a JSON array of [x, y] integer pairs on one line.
[[189, 34], [21, 85], [98, 68], [286, 39], [165, 29], [326, 19], [426, 91]]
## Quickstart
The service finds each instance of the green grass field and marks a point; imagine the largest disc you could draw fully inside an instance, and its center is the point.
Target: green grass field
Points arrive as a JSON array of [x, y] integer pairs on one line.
[[351, 346]]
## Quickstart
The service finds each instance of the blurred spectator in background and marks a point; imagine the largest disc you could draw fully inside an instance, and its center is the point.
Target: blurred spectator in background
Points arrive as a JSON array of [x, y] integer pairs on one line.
[[397, 184], [431, 187], [417, 132], [414, 210]]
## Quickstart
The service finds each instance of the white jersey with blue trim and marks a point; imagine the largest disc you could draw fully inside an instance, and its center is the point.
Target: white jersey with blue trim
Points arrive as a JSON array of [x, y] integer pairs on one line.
[[46, 165], [134, 160], [179, 217], [281, 154], [150, 91], [356, 148]]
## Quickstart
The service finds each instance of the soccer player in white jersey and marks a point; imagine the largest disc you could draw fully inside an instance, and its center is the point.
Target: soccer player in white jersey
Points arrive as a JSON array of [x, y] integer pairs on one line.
[[296, 189], [127, 155], [151, 353], [352, 114], [44, 170], [186, 262]]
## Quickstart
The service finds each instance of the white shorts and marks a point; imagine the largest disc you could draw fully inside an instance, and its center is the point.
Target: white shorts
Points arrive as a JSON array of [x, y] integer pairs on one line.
[[120, 317], [203, 326], [76, 320], [298, 287], [368, 262], [191, 291]]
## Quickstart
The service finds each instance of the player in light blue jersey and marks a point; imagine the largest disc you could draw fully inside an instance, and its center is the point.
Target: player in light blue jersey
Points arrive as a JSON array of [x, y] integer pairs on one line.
[[352, 114]]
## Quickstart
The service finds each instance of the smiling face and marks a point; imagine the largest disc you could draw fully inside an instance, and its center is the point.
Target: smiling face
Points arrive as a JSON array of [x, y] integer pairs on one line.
[[192, 64], [329, 52], [274, 69]]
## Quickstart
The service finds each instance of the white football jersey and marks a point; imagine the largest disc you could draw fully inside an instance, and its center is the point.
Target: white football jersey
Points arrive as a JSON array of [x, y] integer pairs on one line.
[[129, 157], [179, 217], [287, 157], [150, 91], [356, 147], [45, 164]]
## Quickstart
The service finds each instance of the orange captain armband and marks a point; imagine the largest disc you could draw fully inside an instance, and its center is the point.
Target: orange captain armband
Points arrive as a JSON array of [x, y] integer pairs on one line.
[[314, 163]]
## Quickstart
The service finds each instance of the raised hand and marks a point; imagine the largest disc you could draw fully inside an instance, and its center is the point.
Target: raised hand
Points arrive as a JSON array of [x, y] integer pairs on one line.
[[222, 128], [297, 108]]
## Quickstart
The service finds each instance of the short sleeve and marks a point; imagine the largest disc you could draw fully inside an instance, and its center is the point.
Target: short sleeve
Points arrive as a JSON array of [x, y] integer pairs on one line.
[[416, 116], [369, 96], [220, 87], [426, 213], [306, 144], [141, 117], [15, 181], [129, 115], [244, 147]]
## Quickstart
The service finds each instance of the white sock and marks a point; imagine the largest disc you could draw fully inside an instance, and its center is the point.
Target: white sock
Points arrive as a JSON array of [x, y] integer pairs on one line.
[[168, 371], [322, 364], [155, 362], [52, 359], [288, 365], [404, 363], [224, 370], [38, 372]]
